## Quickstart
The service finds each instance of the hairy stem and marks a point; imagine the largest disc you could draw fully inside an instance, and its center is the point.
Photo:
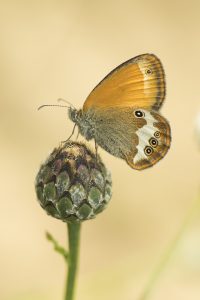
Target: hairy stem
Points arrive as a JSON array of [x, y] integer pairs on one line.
[[73, 238]]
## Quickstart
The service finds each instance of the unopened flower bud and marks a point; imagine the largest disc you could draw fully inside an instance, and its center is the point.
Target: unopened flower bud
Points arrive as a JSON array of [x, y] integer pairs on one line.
[[73, 185]]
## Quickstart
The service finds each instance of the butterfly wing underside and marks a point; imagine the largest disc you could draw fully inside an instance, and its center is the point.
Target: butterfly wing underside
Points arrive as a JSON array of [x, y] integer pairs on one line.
[[139, 82], [139, 136]]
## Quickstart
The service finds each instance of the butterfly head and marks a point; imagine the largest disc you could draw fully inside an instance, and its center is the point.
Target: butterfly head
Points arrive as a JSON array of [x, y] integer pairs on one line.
[[83, 121], [74, 115]]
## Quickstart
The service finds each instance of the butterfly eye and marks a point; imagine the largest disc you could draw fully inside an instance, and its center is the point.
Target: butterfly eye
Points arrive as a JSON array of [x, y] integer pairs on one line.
[[153, 142], [148, 71], [148, 150], [139, 114], [157, 134]]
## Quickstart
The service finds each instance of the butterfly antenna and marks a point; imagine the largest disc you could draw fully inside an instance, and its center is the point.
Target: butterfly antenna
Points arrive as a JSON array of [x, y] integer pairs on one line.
[[52, 105], [63, 100]]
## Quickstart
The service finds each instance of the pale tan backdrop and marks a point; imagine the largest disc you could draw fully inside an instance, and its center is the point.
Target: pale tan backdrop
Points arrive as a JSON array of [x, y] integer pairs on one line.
[[52, 49]]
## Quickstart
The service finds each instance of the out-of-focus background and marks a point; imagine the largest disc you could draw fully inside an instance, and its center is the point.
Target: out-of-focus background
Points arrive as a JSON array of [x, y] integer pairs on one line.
[[52, 49]]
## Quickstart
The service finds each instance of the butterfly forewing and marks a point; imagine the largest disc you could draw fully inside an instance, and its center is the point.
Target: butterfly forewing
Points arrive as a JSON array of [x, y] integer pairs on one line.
[[139, 82]]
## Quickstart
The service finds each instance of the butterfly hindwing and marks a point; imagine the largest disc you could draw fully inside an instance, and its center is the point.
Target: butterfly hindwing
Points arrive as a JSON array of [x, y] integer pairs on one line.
[[139, 82], [139, 136]]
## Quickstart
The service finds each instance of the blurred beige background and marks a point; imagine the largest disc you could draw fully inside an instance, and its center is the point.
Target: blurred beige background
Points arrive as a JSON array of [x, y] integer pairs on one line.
[[52, 49]]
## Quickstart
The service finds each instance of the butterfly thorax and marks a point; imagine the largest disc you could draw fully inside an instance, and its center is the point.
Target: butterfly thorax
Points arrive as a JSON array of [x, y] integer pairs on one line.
[[83, 121]]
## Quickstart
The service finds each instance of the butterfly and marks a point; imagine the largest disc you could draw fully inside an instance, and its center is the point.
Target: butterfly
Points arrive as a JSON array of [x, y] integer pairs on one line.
[[122, 113]]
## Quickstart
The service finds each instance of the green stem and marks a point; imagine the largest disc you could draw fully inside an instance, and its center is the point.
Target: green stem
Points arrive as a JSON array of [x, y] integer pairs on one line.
[[73, 238]]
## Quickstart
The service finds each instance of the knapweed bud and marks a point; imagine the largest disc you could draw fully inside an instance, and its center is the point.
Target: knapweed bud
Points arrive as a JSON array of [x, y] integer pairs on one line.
[[72, 185]]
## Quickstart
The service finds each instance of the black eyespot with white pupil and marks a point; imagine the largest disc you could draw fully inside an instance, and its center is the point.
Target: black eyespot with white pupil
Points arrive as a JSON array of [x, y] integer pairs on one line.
[[148, 150], [153, 142], [139, 114]]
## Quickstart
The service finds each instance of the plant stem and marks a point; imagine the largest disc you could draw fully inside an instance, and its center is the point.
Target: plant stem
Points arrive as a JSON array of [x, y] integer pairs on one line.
[[73, 238]]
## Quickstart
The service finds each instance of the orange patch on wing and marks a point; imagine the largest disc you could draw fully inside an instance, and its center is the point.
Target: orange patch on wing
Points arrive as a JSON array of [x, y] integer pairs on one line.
[[138, 82]]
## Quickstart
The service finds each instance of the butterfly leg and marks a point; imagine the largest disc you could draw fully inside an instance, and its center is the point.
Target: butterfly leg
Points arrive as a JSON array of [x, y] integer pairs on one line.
[[70, 134], [96, 150], [77, 135]]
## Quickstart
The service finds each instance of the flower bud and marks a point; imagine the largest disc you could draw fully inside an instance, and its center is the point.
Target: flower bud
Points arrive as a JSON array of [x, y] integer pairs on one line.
[[73, 185]]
